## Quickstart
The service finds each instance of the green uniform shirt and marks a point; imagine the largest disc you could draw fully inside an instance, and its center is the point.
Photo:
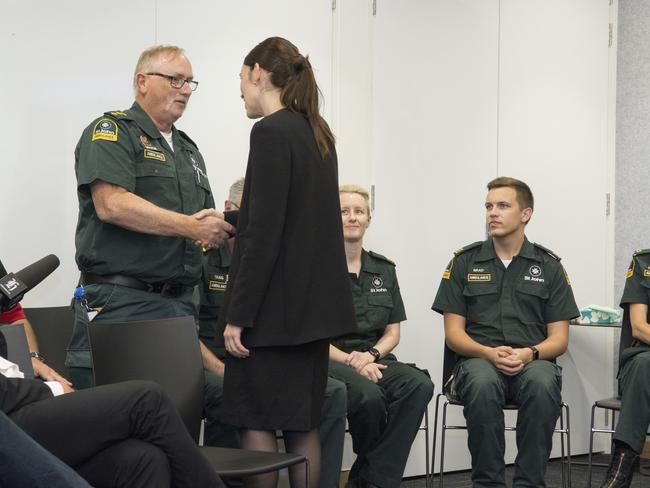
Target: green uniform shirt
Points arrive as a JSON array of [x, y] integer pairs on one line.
[[637, 290], [506, 306], [126, 149], [377, 302], [212, 288]]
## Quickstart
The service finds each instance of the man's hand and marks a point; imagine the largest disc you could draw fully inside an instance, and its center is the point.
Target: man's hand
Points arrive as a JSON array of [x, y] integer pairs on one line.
[[210, 230], [503, 359], [232, 337], [372, 371], [44, 372], [525, 354], [358, 360]]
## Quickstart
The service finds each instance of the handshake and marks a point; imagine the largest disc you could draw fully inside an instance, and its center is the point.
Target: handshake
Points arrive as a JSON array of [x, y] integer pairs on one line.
[[209, 228]]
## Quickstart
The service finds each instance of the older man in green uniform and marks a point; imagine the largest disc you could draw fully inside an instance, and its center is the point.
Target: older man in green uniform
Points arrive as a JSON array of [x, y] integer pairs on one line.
[[634, 376], [212, 288], [145, 208], [507, 305], [386, 398]]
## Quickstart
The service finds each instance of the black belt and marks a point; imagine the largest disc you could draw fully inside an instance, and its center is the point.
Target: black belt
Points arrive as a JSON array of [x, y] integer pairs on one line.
[[163, 288]]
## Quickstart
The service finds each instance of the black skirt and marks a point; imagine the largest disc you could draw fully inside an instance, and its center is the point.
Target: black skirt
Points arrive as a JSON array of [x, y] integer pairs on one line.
[[276, 388]]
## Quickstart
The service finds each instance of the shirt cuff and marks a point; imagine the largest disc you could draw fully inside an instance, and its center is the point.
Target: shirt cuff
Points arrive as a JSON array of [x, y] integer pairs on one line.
[[55, 386]]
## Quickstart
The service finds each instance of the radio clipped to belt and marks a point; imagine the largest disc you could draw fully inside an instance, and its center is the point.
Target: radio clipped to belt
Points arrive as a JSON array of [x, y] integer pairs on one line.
[[80, 295]]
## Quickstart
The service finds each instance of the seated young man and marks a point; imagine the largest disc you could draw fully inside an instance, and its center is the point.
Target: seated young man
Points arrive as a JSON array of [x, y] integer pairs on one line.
[[121, 435], [507, 305], [633, 377], [386, 398]]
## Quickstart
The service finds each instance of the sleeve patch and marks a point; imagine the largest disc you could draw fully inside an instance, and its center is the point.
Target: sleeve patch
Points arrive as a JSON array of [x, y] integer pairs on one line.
[[566, 276], [630, 270], [105, 130], [446, 275]]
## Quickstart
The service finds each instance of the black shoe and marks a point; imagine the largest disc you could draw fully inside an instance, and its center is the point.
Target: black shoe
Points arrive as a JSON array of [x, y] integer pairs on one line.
[[621, 468]]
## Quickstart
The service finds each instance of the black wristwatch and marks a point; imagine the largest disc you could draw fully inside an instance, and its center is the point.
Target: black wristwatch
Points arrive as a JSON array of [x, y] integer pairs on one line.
[[535, 352], [36, 355], [375, 353]]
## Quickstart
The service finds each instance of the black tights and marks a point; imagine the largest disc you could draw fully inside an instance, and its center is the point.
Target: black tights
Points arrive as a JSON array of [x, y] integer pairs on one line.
[[305, 443]]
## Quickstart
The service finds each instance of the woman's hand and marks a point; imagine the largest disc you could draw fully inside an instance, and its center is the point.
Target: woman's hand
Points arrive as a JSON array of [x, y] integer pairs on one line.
[[232, 338]]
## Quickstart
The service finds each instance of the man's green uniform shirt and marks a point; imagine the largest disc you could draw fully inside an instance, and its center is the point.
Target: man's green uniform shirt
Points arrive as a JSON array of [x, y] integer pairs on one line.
[[506, 306], [377, 302], [126, 149], [637, 290], [212, 288]]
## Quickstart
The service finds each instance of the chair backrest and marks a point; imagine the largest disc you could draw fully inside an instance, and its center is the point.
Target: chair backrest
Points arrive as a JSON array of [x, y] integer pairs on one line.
[[626, 338], [17, 348], [165, 351], [53, 328]]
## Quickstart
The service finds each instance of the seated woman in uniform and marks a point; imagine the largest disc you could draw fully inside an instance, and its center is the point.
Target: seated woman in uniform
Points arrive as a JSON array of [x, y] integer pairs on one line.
[[386, 398]]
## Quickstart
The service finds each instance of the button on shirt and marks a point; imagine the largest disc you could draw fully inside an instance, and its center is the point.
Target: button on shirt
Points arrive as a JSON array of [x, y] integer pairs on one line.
[[506, 306]]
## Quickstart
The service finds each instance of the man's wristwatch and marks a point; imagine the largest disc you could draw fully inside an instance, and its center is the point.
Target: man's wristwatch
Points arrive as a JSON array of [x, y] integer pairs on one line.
[[35, 354], [535, 352], [375, 353]]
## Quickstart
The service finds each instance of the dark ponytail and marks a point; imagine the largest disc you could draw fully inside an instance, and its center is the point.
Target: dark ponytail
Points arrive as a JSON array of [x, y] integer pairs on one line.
[[292, 73]]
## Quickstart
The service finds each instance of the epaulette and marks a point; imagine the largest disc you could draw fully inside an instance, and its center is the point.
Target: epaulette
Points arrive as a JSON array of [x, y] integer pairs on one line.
[[639, 252], [187, 138], [380, 257], [463, 249], [547, 251], [117, 114]]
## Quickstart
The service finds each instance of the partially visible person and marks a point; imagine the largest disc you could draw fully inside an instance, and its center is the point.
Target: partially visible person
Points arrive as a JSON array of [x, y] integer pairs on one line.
[[25, 463], [121, 435], [212, 290], [633, 377], [42, 370], [145, 208], [386, 398], [288, 292], [507, 304]]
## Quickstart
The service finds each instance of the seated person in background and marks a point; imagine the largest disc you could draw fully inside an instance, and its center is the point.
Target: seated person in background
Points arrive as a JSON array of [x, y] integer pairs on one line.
[[17, 316], [386, 398], [25, 463], [212, 288], [121, 435], [633, 377], [507, 305]]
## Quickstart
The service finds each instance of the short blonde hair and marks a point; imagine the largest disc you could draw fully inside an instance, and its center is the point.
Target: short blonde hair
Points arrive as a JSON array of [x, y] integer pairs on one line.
[[359, 190], [151, 56]]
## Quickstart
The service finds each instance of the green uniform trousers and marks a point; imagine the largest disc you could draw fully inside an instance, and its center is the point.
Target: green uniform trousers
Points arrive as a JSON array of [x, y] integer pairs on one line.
[[484, 391], [331, 427], [634, 418], [118, 304], [384, 418]]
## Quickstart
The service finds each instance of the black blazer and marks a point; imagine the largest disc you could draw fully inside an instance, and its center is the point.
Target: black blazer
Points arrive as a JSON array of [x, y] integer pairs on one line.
[[288, 282]]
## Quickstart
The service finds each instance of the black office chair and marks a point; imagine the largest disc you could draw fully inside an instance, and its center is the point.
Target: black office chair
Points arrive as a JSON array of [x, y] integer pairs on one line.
[[53, 328], [612, 404], [449, 361], [167, 351], [17, 348]]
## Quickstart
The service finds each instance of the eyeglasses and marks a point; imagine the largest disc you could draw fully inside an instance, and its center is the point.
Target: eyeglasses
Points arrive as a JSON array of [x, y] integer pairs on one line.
[[234, 204], [177, 83]]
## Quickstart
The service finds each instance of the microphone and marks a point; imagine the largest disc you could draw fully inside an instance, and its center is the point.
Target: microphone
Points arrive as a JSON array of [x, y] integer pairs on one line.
[[14, 286]]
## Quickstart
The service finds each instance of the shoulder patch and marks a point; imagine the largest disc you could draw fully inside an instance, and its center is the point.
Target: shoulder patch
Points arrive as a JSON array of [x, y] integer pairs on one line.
[[187, 138], [105, 130], [547, 251], [463, 249], [381, 257], [639, 252], [630, 270]]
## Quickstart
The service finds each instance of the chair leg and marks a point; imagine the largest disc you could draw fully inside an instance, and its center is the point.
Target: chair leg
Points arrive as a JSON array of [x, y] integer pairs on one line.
[[435, 436], [442, 443], [568, 443], [427, 479], [591, 446], [562, 446], [306, 473]]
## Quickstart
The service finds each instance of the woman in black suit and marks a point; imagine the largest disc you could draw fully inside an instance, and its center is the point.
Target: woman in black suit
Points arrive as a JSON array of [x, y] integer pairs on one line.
[[288, 289]]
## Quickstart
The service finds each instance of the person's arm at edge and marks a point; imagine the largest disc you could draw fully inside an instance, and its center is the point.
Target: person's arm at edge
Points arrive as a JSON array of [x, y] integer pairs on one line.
[[639, 322], [210, 361]]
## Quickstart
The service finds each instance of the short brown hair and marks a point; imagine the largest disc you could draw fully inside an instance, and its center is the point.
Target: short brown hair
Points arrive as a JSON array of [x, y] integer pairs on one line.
[[524, 195]]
